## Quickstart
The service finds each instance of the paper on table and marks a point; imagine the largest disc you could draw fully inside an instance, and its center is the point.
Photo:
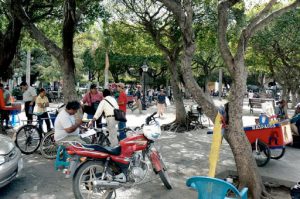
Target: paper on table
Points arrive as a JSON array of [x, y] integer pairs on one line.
[[88, 133]]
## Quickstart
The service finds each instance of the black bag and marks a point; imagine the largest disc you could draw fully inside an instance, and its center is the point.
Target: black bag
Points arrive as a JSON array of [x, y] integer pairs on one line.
[[119, 114], [89, 110], [95, 105]]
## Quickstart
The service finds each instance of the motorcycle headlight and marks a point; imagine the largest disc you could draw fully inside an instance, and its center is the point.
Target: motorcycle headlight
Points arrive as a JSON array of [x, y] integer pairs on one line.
[[2, 159]]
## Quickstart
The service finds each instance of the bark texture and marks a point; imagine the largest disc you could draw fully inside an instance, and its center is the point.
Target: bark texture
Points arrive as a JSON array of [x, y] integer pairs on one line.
[[246, 166], [8, 46], [161, 30], [64, 56], [69, 65]]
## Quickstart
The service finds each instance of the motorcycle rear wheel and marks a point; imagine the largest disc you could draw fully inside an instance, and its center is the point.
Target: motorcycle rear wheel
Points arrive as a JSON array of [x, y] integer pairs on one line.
[[83, 182]]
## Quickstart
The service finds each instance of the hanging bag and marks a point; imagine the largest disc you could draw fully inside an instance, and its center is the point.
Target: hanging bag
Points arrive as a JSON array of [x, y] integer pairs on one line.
[[119, 114]]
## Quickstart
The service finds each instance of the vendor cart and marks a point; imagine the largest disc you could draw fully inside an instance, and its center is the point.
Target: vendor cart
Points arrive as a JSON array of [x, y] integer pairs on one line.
[[268, 141]]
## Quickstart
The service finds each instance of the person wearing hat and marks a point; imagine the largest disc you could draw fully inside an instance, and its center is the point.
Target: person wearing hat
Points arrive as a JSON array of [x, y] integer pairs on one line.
[[91, 100], [122, 102], [295, 121], [29, 96], [280, 110]]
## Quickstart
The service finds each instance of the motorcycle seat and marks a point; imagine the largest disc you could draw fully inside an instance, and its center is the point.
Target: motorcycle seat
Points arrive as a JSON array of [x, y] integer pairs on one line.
[[104, 149]]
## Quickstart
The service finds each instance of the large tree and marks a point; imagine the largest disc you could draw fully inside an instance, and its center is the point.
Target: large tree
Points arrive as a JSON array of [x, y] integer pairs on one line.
[[183, 12], [71, 14], [277, 47], [163, 29]]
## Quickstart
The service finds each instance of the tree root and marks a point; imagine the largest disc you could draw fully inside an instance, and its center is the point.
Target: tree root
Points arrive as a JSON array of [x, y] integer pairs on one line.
[[266, 195], [175, 127]]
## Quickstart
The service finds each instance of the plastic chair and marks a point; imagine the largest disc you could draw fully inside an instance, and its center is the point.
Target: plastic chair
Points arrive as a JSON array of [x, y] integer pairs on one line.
[[213, 188], [15, 119]]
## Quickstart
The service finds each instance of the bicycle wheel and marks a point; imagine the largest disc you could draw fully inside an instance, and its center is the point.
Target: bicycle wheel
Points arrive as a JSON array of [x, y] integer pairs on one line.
[[28, 139], [277, 153], [48, 146], [261, 153]]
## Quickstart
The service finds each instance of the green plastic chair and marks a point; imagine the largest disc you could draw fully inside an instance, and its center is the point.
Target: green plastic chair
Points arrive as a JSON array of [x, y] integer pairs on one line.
[[213, 188]]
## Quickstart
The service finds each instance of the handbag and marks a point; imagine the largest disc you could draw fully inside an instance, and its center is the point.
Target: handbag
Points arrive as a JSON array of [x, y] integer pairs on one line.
[[119, 114]]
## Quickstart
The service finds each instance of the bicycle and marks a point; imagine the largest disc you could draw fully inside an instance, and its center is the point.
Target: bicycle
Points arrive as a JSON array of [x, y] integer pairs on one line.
[[29, 136], [100, 136]]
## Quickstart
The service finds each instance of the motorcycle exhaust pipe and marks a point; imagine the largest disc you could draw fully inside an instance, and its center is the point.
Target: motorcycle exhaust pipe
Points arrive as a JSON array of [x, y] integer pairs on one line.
[[106, 184]]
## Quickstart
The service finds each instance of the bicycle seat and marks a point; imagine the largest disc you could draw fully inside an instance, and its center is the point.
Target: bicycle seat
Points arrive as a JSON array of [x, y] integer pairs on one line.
[[109, 150]]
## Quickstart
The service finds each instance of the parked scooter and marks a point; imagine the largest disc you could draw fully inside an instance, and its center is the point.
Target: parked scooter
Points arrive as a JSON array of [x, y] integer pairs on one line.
[[99, 170]]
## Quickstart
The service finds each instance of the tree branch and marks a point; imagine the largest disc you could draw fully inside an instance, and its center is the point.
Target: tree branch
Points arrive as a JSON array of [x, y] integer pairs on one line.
[[35, 33], [222, 30], [273, 15]]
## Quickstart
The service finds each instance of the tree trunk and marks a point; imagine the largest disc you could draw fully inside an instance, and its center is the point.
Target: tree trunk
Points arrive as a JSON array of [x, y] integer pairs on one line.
[[68, 67], [8, 46], [180, 110], [245, 164]]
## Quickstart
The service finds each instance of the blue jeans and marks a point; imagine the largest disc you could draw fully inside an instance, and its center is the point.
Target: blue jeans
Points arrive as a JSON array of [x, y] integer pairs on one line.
[[122, 133]]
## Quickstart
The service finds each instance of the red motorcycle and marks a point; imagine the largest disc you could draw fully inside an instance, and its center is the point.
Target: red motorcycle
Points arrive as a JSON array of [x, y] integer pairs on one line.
[[101, 170]]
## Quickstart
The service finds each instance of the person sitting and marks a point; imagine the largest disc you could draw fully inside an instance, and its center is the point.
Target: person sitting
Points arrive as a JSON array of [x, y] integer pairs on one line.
[[107, 106], [280, 110], [92, 100], [41, 103], [66, 126], [295, 121]]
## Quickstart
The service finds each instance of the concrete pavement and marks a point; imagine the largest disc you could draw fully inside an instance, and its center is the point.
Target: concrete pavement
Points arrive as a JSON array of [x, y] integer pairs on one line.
[[185, 154]]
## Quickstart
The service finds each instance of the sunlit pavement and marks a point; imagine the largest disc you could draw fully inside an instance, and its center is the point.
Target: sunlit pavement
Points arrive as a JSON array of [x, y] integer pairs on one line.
[[185, 154]]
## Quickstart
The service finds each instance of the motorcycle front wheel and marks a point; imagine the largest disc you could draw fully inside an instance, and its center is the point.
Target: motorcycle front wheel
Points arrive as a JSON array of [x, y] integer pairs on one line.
[[83, 186], [163, 174]]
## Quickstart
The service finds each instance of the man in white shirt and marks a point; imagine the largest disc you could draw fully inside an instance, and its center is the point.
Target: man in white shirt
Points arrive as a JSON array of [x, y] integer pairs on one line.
[[29, 96], [66, 126], [107, 105]]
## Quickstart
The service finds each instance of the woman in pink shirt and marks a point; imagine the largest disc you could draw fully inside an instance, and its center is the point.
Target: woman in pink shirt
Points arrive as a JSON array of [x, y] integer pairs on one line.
[[91, 100]]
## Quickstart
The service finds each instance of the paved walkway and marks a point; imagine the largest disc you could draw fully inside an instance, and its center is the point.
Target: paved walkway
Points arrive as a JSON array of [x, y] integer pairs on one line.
[[185, 154]]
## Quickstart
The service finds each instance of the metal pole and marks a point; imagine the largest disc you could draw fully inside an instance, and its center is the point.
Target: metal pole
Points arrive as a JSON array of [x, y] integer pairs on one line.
[[144, 95], [220, 84], [28, 68]]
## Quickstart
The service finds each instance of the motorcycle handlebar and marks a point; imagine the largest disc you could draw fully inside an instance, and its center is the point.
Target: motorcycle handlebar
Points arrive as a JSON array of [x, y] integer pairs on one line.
[[149, 118]]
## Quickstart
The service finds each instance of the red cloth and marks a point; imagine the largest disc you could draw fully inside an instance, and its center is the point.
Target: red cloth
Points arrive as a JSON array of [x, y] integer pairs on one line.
[[122, 101], [2, 103], [89, 98]]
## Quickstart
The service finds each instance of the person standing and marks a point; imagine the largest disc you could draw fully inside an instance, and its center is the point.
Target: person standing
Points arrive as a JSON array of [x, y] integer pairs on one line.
[[122, 102], [29, 96], [42, 103], [107, 106], [161, 103], [138, 102], [150, 95], [3, 102], [92, 100]]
